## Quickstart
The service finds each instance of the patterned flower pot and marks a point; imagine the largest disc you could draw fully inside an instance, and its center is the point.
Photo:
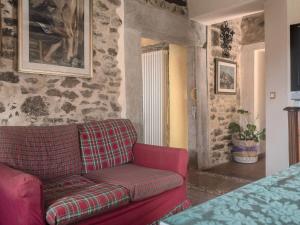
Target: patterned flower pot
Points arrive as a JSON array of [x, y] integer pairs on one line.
[[245, 151]]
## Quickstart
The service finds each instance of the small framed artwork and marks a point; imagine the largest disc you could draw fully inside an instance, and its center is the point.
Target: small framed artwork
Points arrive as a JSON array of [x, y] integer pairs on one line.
[[226, 77], [55, 37]]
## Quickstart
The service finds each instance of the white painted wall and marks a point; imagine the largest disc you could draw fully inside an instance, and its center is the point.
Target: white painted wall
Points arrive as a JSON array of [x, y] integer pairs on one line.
[[121, 61], [260, 92], [253, 84], [247, 78], [277, 79], [215, 11], [279, 16]]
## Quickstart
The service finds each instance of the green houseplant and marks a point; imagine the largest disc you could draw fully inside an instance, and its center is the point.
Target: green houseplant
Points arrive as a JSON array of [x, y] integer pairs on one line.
[[245, 139]]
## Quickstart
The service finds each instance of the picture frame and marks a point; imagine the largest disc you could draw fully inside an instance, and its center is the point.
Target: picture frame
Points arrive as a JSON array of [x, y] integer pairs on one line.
[[225, 77], [56, 38], [1, 29]]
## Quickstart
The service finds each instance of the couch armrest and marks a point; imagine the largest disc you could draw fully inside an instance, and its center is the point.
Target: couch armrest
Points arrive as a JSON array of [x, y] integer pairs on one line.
[[20, 198], [163, 158]]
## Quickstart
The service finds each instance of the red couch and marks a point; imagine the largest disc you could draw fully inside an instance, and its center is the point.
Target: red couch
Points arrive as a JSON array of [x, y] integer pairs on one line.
[[93, 173]]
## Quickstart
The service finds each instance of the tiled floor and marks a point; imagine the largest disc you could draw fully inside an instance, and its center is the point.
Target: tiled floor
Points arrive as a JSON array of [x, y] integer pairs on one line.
[[251, 172], [205, 185]]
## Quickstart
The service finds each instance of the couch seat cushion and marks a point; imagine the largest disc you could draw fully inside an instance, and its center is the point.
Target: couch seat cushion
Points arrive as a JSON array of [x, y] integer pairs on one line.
[[106, 143], [46, 152], [141, 182], [75, 198]]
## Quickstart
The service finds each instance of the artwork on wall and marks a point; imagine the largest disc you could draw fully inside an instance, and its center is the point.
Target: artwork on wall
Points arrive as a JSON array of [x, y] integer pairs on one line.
[[1, 6], [55, 37], [226, 77]]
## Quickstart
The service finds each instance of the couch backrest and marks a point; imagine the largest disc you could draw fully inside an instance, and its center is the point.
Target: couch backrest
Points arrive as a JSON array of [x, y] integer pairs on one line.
[[46, 152], [106, 144]]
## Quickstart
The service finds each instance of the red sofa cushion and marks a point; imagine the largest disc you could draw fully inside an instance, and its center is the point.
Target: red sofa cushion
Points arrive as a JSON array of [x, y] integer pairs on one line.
[[106, 144], [46, 152], [141, 182], [76, 198]]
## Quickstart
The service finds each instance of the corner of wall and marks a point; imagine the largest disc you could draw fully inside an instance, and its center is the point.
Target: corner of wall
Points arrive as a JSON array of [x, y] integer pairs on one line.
[[121, 60]]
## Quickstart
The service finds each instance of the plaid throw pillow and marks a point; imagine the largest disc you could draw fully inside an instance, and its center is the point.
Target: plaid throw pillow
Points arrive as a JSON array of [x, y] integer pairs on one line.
[[106, 144]]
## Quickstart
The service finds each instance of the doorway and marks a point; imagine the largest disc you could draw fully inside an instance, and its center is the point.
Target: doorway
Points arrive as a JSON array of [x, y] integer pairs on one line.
[[165, 99], [253, 86], [253, 100]]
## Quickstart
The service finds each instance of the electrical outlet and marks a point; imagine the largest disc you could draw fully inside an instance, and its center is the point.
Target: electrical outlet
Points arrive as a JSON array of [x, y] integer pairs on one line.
[[272, 95]]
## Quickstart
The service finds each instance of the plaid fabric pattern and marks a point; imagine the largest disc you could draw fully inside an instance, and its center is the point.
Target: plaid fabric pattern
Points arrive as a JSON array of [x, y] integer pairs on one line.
[[56, 189], [106, 144], [46, 152], [181, 207], [141, 182], [76, 198]]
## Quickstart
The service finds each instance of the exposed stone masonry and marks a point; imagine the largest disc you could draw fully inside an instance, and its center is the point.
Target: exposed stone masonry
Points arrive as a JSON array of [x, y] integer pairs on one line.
[[42, 100], [253, 29], [223, 108], [172, 7]]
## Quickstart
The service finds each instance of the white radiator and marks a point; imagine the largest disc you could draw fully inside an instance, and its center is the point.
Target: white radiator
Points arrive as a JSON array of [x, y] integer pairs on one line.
[[155, 73]]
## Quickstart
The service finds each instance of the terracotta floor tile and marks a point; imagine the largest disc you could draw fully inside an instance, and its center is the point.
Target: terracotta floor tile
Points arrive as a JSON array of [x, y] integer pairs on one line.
[[206, 185]]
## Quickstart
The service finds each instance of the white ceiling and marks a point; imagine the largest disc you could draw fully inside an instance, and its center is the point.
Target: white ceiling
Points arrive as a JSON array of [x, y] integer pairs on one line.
[[215, 11]]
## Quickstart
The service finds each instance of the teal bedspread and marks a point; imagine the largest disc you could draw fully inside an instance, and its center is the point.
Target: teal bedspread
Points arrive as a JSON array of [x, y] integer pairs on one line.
[[274, 200]]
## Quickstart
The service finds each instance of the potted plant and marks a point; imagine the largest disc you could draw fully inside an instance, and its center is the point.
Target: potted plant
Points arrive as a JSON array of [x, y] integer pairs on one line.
[[245, 139]]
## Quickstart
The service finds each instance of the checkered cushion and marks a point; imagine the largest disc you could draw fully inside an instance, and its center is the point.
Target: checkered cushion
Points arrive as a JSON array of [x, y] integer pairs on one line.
[[142, 182], [46, 152], [106, 144], [76, 198]]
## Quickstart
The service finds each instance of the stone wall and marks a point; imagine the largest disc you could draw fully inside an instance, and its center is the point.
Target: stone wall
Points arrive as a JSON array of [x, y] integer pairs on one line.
[[253, 29], [43, 100], [168, 5], [222, 108]]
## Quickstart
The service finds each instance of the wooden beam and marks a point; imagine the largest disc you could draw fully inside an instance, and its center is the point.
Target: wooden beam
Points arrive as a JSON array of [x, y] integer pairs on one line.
[[294, 141]]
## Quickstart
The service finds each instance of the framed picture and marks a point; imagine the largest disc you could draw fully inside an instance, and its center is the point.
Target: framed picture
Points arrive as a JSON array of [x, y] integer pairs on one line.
[[55, 37], [226, 77], [1, 29]]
